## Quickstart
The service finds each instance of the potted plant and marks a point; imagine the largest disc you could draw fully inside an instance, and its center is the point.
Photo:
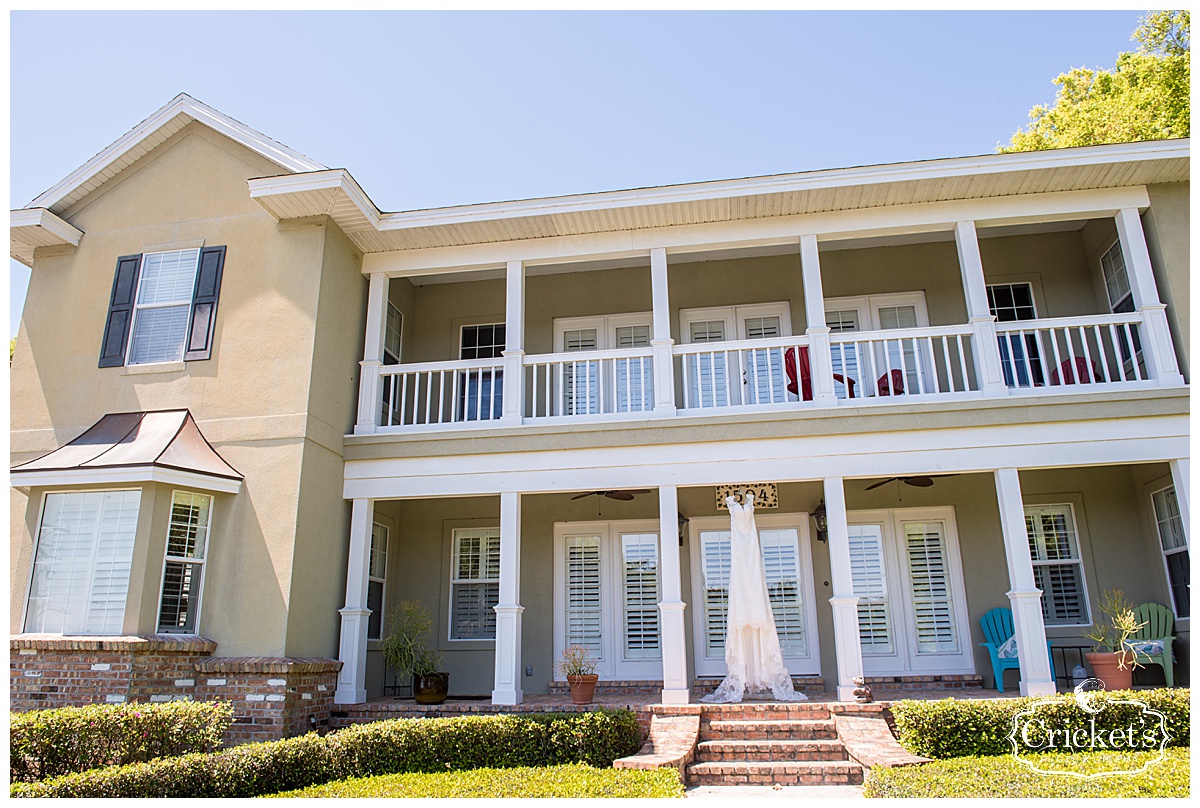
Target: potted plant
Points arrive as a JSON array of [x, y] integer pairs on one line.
[[1111, 658], [406, 648], [578, 666]]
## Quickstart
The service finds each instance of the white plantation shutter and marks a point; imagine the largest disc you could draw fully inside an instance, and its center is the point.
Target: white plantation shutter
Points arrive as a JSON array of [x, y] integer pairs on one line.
[[583, 601], [845, 355], [707, 372], [475, 583], [929, 579], [183, 570], [82, 563], [715, 558], [1057, 566], [781, 563], [870, 585], [581, 379], [766, 379], [640, 595], [635, 385]]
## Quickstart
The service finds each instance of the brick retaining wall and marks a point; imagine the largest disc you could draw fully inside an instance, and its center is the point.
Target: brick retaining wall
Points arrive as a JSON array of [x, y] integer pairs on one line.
[[273, 697]]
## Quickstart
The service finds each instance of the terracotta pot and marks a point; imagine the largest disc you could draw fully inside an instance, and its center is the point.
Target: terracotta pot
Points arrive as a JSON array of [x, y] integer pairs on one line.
[[583, 687], [1106, 667], [431, 688]]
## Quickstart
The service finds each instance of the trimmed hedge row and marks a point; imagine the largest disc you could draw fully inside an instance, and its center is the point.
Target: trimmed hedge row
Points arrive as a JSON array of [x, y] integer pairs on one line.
[[384, 747], [49, 743], [949, 728]]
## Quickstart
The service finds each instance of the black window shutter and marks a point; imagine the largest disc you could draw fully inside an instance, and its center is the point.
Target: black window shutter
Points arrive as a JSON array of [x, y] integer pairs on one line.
[[204, 304], [120, 311]]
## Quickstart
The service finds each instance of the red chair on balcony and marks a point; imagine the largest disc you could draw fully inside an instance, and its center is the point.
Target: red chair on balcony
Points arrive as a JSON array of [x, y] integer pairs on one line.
[[802, 387], [1076, 372], [896, 387]]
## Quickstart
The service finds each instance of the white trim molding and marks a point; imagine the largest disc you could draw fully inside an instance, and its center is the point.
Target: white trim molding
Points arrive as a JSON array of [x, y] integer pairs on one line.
[[23, 480], [30, 228]]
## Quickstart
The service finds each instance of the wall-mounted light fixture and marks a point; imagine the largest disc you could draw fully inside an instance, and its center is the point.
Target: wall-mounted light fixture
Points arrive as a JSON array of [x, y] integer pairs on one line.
[[822, 522], [683, 523]]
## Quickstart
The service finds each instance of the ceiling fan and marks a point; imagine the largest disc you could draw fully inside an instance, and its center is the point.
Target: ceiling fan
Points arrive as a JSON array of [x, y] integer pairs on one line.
[[920, 481], [624, 496]]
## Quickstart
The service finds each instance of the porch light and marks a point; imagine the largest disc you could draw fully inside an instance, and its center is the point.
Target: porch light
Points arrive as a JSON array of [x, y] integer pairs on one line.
[[822, 522], [683, 523]]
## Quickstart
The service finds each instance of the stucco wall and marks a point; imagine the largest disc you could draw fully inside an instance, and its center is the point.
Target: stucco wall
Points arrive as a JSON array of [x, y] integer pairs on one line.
[[1168, 236]]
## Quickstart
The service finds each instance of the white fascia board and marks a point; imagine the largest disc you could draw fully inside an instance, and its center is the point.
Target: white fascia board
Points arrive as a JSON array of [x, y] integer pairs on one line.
[[787, 183], [127, 474], [183, 104], [30, 228], [773, 230], [338, 179]]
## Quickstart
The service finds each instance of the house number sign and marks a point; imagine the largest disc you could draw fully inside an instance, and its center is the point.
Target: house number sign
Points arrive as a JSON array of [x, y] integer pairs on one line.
[[766, 495]]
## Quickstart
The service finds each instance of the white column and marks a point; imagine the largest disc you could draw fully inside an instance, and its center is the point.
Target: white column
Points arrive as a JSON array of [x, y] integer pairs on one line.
[[1181, 475], [1157, 347], [846, 641], [513, 403], [671, 607], [509, 609], [352, 649], [660, 340], [1023, 594], [821, 362], [985, 342], [370, 400]]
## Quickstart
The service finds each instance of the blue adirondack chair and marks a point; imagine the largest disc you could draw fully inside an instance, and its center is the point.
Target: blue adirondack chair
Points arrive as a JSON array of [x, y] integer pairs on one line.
[[997, 626], [1159, 621]]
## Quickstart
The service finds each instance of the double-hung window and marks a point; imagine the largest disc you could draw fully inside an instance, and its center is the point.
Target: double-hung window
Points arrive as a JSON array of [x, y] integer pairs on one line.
[[474, 583], [1174, 548], [1019, 357], [183, 568], [376, 578], [163, 307], [481, 389], [1120, 301], [1057, 564], [393, 329]]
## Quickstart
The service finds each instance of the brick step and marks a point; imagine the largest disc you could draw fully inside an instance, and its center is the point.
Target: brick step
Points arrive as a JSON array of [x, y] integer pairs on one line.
[[733, 751], [764, 711], [784, 730], [809, 773]]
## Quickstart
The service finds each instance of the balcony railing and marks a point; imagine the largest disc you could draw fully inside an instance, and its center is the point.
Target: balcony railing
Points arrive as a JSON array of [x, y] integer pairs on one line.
[[744, 373], [428, 393], [932, 361], [619, 381], [1103, 349]]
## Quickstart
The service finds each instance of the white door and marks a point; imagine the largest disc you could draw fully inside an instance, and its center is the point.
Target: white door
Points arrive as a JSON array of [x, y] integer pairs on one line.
[[607, 587], [912, 609], [907, 357], [724, 377], [589, 385], [787, 564]]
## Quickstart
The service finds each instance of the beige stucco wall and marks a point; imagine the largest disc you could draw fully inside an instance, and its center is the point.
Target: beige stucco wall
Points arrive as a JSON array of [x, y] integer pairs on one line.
[[1168, 236], [271, 400]]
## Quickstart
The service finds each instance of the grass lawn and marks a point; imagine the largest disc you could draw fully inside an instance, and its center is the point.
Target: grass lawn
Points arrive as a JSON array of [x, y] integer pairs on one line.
[[1002, 776], [573, 780]]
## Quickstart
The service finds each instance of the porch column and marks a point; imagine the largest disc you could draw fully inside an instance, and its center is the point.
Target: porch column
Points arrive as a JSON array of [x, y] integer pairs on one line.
[[671, 607], [845, 603], [508, 609], [1157, 348], [985, 342], [660, 340], [370, 400], [1181, 475], [1024, 596], [820, 360], [352, 649], [513, 400]]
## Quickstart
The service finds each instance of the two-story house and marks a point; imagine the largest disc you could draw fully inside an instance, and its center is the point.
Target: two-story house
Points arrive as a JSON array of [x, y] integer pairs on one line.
[[252, 412]]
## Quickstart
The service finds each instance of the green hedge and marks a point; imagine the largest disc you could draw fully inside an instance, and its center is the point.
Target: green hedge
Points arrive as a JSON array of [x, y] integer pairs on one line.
[[49, 743], [384, 747], [948, 728], [1007, 777]]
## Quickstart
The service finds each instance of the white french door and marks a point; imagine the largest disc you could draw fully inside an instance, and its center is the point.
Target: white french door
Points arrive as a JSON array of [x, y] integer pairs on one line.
[[628, 385], [762, 376], [787, 564], [607, 587], [912, 608], [878, 313]]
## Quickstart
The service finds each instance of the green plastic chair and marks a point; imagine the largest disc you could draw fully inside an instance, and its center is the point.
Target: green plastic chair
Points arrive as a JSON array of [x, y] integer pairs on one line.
[[1159, 622]]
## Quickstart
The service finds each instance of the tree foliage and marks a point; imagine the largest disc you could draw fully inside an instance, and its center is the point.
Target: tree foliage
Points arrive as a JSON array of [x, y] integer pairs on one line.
[[1145, 97]]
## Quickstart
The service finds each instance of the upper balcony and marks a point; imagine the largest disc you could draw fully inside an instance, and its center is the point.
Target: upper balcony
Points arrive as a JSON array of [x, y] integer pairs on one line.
[[838, 320]]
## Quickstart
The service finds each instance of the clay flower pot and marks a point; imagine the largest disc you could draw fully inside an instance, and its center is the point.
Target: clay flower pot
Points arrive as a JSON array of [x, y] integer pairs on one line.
[[431, 688], [583, 687], [1106, 666]]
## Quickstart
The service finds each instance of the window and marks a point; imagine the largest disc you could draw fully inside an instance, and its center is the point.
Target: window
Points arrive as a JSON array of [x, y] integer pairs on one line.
[[183, 569], [1116, 280], [163, 307], [481, 390], [391, 335], [376, 575], [1174, 548], [737, 375], [82, 563], [1057, 566], [612, 384], [1019, 358], [865, 365], [474, 583]]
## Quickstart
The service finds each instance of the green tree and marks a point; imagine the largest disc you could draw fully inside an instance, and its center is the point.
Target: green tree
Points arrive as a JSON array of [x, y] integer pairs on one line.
[[1145, 97]]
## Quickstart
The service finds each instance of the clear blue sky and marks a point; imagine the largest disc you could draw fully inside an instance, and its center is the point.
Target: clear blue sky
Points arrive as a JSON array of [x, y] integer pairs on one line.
[[431, 109]]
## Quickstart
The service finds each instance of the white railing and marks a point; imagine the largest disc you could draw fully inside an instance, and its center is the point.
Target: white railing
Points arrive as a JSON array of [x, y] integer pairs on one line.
[[1099, 349], [904, 361], [754, 372], [441, 392], [576, 384]]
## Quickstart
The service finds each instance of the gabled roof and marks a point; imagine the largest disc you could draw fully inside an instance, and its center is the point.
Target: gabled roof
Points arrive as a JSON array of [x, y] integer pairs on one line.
[[156, 446]]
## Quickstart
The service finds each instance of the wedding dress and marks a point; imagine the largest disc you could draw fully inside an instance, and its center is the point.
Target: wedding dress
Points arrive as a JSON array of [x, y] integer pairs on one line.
[[753, 660]]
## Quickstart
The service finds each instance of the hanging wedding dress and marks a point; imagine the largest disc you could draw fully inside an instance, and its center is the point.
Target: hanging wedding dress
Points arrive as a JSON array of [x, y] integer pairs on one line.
[[753, 660]]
